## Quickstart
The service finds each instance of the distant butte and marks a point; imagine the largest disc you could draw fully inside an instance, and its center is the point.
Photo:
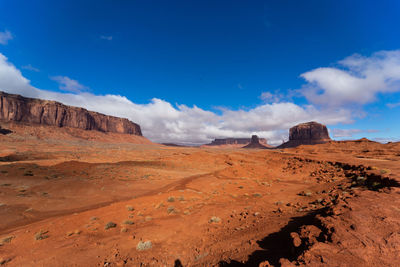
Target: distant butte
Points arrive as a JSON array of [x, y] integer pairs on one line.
[[255, 143], [309, 133], [16, 108]]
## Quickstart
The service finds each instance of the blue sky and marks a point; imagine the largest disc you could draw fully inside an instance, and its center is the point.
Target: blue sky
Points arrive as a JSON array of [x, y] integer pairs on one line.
[[186, 64]]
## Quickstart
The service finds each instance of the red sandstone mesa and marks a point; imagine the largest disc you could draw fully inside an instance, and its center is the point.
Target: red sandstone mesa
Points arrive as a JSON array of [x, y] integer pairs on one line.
[[16, 108], [309, 133]]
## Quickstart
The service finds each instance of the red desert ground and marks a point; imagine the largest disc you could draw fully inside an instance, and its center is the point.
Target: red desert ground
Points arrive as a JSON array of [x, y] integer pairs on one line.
[[78, 188]]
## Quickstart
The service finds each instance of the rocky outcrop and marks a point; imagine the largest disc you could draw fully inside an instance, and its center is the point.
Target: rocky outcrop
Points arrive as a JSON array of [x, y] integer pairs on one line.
[[235, 141], [255, 143], [309, 133], [16, 108]]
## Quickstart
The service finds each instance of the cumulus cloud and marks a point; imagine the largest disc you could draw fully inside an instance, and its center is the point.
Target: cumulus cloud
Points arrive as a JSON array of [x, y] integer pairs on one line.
[[358, 80], [163, 122], [269, 97], [68, 84], [5, 37]]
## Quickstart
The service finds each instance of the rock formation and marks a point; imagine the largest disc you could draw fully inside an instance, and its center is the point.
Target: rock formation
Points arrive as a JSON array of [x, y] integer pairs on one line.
[[16, 108], [235, 141], [255, 143], [309, 133]]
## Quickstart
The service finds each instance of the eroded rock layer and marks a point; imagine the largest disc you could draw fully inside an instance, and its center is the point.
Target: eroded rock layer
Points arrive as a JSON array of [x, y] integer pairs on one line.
[[17, 108], [255, 143]]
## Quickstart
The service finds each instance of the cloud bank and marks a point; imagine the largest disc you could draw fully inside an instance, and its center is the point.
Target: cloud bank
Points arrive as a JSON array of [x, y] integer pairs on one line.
[[328, 91]]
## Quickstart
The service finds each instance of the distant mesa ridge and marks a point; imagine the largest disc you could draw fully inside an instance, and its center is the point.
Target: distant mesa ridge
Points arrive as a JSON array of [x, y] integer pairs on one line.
[[309, 133], [16, 108], [235, 141]]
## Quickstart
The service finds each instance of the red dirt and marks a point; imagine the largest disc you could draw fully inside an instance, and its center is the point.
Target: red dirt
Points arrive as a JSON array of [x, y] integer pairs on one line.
[[334, 204]]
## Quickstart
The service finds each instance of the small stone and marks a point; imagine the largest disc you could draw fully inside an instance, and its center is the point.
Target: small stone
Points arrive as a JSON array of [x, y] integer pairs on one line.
[[296, 239]]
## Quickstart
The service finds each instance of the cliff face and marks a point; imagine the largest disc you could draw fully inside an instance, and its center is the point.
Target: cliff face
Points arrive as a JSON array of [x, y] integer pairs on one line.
[[309, 133], [35, 111]]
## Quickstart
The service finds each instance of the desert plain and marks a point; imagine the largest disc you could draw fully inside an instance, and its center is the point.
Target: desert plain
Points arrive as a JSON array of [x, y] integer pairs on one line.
[[70, 197]]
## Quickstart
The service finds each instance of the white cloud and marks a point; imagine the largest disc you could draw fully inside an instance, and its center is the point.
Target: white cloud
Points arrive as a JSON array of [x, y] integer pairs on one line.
[[106, 37], [358, 81], [269, 97], [30, 67], [68, 84], [164, 122], [5, 37]]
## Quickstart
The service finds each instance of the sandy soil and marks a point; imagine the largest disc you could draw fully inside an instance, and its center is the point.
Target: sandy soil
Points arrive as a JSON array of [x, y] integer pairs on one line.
[[90, 199]]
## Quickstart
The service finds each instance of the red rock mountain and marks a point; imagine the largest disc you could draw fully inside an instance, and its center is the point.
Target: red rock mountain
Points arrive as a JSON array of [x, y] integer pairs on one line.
[[255, 143], [309, 133], [16, 108]]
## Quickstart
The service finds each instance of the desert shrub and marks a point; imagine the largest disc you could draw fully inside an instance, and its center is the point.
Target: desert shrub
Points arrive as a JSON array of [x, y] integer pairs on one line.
[[6, 239], [170, 209], [110, 225], [41, 235], [128, 222], [171, 199]]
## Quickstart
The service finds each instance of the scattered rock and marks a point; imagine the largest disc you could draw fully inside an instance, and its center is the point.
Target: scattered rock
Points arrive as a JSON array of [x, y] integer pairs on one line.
[[144, 245], [215, 219]]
